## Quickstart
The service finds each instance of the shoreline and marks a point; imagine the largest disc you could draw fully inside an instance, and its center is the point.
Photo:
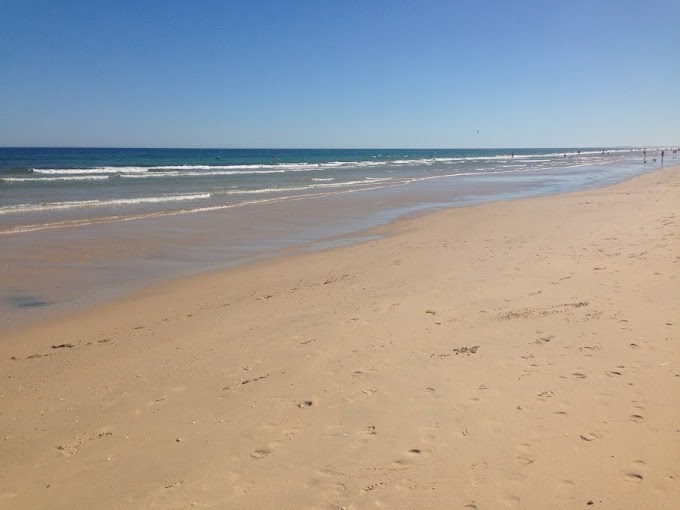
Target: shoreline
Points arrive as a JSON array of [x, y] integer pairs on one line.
[[514, 353], [49, 279]]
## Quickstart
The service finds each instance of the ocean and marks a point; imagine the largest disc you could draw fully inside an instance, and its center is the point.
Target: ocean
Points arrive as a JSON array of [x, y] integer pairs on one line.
[[81, 225]]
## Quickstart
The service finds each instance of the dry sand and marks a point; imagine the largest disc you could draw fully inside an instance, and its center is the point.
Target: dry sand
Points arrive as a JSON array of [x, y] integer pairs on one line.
[[512, 355]]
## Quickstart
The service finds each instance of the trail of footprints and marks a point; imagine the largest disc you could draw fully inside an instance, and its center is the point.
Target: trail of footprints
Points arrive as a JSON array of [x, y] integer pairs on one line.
[[635, 473]]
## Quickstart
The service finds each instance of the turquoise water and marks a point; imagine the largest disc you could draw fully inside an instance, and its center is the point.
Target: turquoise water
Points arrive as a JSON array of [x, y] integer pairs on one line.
[[58, 188]]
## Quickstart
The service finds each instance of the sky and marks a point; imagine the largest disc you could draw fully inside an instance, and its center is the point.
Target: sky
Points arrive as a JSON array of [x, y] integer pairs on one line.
[[332, 73]]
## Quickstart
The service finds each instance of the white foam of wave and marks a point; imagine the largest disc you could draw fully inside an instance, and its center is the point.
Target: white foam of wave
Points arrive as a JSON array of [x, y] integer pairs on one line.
[[258, 191], [165, 174], [334, 164], [274, 167], [415, 161], [54, 206], [90, 171], [55, 179], [353, 164], [187, 170], [521, 165]]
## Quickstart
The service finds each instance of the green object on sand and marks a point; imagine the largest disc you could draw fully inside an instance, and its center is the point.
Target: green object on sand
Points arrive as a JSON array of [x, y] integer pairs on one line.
[[431, 312]]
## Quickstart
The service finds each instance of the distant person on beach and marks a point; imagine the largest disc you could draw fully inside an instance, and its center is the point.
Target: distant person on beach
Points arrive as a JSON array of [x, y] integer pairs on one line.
[[661, 154], [512, 155]]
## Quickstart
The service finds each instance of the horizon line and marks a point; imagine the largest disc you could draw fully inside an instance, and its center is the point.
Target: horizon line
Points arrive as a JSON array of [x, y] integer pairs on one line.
[[333, 148]]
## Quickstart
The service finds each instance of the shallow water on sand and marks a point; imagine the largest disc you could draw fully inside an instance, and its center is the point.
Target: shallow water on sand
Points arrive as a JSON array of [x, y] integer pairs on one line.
[[50, 271]]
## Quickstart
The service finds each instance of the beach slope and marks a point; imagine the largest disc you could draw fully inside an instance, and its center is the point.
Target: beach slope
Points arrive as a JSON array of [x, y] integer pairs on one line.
[[521, 354]]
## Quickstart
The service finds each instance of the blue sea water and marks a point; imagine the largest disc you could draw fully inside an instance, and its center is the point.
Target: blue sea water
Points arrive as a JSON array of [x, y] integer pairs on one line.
[[48, 188]]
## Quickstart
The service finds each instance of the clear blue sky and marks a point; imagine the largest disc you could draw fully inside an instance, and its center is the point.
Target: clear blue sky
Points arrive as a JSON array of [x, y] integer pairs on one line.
[[332, 73]]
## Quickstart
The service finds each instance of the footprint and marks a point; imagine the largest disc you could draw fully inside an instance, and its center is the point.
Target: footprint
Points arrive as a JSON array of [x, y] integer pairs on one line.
[[613, 373], [406, 484], [363, 436], [637, 405], [636, 418], [524, 456], [329, 471], [510, 501], [363, 393], [633, 477], [404, 461], [605, 398], [579, 375], [373, 486], [590, 436], [428, 432], [524, 460], [290, 434], [635, 473], [565, 489], [261, 452]]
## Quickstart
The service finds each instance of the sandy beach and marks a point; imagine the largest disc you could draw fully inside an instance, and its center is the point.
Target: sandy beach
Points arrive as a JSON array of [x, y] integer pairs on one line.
[[519, 354]]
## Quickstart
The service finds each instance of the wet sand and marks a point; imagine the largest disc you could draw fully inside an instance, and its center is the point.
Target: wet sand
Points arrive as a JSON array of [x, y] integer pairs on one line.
[[510, 355]]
